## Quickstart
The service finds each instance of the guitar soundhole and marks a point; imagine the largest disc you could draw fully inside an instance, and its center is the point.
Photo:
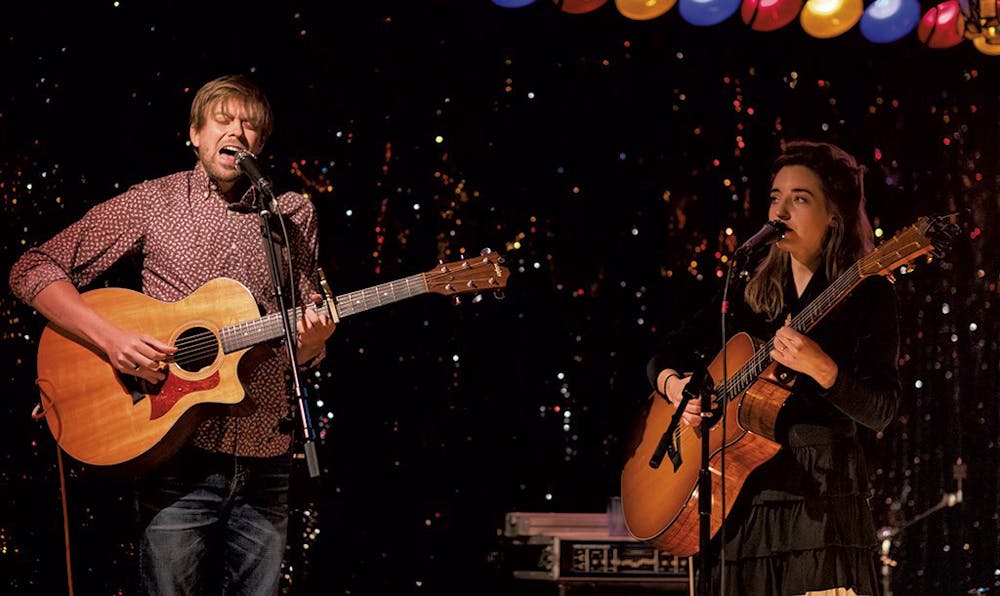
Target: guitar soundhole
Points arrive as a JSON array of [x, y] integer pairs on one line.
[[197, 349]]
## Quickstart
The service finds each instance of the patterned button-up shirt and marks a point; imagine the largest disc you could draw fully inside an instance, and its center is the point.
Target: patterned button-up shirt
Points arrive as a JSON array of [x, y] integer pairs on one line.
[[185, 233]]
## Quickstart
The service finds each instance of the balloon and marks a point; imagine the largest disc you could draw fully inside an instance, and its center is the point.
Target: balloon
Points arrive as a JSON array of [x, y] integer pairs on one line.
[[941, 26], [643, 10], [707, 12], [984, 46], [830, 18], [888, 20], [768, 15], [579, 6], [512, 3]]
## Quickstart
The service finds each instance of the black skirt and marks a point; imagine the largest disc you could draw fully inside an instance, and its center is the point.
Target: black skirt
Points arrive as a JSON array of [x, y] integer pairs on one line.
[[802, 523]]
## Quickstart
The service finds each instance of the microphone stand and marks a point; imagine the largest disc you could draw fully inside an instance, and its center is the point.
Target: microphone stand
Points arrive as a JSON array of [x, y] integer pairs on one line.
[[771, 231], [886, 534], [705, 497], [266, 206], [705, 473]]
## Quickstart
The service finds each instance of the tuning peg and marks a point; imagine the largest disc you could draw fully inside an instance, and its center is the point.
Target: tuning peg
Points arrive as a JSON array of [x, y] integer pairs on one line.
[[485, 252], [499, 294], [456, 300], [477, 298]]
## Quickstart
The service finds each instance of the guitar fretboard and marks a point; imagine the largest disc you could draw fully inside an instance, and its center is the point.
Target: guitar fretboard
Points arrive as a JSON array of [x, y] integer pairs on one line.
[[250, 333], [369, 298]]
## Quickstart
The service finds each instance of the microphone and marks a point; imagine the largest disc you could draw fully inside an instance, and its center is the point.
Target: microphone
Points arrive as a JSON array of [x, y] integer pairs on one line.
[[771, 232], [246, 162]]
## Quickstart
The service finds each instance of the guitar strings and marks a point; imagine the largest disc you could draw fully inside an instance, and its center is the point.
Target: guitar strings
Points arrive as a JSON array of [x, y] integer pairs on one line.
[[762, 356], [801, 322], [200, 345]]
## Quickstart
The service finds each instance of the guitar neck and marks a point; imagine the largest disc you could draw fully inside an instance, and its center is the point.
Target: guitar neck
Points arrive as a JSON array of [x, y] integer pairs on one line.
[[375, 296], [803, 322], [250, 333]]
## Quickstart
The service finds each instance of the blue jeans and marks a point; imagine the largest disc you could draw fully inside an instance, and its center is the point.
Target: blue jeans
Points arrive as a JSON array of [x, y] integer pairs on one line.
[[213, 524]]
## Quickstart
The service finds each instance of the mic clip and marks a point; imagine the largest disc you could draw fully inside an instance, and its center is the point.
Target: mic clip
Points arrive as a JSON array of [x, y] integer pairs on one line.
[[771, 231], [246, 163]]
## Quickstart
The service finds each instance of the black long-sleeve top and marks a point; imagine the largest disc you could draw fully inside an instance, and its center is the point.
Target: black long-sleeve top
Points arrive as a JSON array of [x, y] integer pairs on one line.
[[816, 427]]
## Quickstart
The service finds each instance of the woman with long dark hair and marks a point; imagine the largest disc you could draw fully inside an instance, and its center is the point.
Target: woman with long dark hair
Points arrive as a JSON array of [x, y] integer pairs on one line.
[[802, 523]]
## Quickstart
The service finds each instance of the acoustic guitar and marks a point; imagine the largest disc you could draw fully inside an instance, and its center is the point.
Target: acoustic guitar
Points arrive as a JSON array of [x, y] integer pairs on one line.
[[660, 502], [104, 418]]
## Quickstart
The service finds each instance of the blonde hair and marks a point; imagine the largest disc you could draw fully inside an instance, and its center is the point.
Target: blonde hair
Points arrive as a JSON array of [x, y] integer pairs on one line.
[[848, 238], [239, 88]]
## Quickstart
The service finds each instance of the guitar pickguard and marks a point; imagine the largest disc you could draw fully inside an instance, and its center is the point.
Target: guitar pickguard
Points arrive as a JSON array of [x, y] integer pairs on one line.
[[173, 389]]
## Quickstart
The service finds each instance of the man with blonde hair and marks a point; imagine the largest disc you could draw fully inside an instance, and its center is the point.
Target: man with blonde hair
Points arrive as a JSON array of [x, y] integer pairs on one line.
[[214, 517]]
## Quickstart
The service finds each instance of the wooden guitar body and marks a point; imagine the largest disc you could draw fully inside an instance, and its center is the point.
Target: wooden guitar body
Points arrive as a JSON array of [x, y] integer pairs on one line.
[[104, 418], [661, 504]]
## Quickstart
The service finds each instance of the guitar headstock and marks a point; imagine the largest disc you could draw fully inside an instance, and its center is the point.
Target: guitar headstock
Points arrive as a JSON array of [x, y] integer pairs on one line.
[[485, 272], [929, 235]]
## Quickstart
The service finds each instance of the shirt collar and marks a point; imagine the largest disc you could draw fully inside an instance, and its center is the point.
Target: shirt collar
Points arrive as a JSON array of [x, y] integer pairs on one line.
[[201, 180], [817, 283]]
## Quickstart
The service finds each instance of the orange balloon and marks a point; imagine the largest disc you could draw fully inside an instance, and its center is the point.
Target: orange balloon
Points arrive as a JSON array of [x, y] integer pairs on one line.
[[984, 46], [644, 10], [830, 18]]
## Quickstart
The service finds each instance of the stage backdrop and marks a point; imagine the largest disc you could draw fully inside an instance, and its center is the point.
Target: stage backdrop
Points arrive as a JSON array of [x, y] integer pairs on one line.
[[612, 162]]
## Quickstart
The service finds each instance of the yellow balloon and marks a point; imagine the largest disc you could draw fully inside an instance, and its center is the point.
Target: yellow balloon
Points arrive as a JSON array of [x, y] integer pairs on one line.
[[830, 18], [643, 10], [991, 49]]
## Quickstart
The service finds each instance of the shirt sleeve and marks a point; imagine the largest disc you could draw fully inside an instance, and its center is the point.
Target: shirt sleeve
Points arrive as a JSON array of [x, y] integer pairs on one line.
[[867, 388], [84, 250]]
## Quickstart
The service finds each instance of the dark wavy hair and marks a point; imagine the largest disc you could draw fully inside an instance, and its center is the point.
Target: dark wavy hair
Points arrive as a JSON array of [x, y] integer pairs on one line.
[[849, 236]]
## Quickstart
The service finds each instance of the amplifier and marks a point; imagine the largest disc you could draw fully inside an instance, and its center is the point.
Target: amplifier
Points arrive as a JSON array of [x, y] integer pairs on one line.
[[568, 547]]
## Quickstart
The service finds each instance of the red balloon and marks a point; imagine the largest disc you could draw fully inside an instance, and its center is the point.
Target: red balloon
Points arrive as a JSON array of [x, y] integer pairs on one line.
[[579, 6], [768, 15], [941, 26]]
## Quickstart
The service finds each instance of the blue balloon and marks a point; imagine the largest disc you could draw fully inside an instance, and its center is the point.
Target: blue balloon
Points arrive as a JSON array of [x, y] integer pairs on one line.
[[512, 3], [886, 21], [707, 12]]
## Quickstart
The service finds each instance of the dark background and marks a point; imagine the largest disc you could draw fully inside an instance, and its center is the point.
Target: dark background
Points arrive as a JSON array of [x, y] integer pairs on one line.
[[603, 157]]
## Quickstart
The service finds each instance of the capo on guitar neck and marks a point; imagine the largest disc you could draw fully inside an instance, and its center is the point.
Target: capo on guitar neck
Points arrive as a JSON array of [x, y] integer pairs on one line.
[[331, 306]]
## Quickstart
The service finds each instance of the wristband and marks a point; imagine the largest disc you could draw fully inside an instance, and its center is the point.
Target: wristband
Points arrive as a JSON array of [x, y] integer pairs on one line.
[[665, 384]]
